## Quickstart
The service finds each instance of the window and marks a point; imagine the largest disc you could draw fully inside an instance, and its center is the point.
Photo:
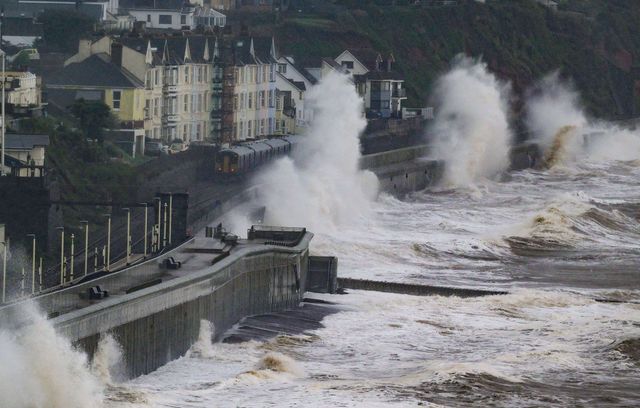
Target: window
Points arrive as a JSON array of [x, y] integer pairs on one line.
[[156, 73], [271, 98], [282, 68], [262, 126], [147, 109], [199, 102], [272, 72], [164, 19], [186, 75], [347, 64], [186, 104], [199, 74], [183, 19], [249, 103], [116, 99], [248, 128], [262, 99], [156, 106], [148, 18], [240, 125], [270, 125], [198, 132]]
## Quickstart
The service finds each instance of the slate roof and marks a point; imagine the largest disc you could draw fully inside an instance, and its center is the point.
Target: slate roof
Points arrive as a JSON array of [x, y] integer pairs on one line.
[[21, 26], [25, 142], [366, 56], [175, 47], [303, 71], [153, 4], [95, 71]]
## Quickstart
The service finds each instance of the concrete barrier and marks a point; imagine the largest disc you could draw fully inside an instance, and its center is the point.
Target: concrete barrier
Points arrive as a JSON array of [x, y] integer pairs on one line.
[[413, 289]]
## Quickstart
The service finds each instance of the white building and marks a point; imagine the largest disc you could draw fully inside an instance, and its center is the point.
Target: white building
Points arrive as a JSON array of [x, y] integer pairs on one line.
[[172, 14], [25, 90], [292, 82], [254, 94]]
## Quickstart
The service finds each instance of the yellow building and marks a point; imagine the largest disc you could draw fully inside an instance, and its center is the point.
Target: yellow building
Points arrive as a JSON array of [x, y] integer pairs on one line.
[[96, 78]]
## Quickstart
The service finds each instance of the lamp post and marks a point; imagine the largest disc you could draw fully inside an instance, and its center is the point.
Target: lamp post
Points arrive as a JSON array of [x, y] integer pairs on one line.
[[86, 245], [107, 260], [128, 241], [61, 229], [5, 246], [146, 218], [33, 262], [164, 234], [73, 237], [40, 273], [170, 216], [156, 227], [2, 132]]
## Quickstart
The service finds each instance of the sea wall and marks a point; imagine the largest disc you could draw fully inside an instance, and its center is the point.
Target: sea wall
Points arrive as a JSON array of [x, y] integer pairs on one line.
[[405, 170], [159, 323]]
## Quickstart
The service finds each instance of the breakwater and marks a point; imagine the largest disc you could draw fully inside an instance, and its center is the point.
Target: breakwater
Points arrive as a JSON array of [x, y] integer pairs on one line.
[[154, 310], [413, 289]]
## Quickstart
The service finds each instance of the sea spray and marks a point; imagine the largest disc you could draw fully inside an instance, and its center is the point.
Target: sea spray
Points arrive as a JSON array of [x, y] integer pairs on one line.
[[471, 129], [551, 106], [558, 123], [203, 347], [41, 369], [322, 187], [107, 363]]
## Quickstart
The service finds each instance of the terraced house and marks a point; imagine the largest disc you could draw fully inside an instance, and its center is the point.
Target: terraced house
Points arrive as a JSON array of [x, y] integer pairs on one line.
[[173, 77], [177, 76], [254, 67]]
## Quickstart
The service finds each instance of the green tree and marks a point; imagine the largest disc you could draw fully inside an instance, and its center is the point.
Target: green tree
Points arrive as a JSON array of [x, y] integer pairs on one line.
[[93, 117], [63, 29]]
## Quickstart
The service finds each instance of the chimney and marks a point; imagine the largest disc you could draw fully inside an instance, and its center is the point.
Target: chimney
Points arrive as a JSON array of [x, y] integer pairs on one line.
[[116, 53]]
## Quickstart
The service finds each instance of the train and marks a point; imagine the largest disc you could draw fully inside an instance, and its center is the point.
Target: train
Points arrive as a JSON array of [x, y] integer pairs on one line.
[[242, 159]]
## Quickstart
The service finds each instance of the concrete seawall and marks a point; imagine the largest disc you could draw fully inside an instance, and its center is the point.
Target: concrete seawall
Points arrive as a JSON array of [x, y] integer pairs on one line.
[[159, 323], [405, 170]]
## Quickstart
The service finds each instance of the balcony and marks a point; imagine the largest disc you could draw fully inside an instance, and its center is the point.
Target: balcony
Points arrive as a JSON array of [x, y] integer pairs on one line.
[[399, 93]]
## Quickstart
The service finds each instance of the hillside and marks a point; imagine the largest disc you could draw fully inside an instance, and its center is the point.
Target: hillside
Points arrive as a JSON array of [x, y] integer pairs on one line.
[[592, 42]]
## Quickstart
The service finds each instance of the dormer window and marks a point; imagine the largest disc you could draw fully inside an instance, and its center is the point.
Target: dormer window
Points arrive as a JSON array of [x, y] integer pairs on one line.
[[347, 64]]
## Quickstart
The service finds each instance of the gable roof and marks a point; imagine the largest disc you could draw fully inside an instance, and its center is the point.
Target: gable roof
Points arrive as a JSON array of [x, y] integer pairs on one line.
[[171, 50], [95, 71]]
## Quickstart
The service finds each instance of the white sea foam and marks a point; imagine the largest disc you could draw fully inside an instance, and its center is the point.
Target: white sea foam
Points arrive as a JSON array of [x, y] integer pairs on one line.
[[41, 369], [321, 187], [558, 122], [471, 129]]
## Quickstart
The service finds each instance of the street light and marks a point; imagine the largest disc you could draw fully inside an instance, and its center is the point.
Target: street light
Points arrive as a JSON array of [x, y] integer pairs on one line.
[[5, 245], [71, 256], [156, 227], [107, 262], [33, 263], [146, 217], [2, 132], [61, 229], [128, 211], [86, 245]]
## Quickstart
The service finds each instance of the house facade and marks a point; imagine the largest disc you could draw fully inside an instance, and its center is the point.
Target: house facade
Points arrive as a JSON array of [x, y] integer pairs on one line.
[[254, 91], [25, 154], [172, 14], [380, 86], [25, 90]]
